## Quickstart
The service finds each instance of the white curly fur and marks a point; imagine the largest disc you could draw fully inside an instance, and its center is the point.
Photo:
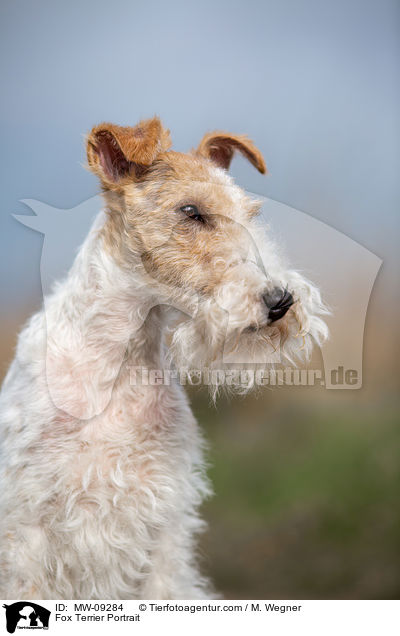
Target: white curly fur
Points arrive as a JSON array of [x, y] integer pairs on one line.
[[106, 507]]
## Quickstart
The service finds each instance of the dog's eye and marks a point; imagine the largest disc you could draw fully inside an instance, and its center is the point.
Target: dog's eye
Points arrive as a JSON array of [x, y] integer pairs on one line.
[[192, 212]]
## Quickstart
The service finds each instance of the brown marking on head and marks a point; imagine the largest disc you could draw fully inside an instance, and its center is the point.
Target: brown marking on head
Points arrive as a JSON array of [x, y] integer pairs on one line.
[[175, 249], [121, 154], [146, 185], [220, 147]]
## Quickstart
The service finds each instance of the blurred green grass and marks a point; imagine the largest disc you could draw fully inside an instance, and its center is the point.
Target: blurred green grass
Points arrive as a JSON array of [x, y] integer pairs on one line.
[[307, 496]]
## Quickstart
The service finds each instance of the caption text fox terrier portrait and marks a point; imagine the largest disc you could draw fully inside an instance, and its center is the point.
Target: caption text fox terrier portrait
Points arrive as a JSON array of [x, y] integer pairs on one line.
[[102, 478]]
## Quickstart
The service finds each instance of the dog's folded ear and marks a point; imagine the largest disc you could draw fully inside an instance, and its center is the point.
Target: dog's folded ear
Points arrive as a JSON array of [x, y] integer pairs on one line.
[[221, 146], [118, 154]]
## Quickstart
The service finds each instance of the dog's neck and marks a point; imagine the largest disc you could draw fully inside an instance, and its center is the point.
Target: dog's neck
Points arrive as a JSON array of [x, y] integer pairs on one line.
[[122, 311], [115, 325]]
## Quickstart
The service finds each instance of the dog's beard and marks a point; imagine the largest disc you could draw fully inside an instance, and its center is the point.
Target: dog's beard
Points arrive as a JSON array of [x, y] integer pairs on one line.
[[207, 342]]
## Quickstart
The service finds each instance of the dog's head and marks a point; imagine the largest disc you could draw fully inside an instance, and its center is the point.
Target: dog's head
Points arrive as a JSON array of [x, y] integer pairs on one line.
[[191, 234]]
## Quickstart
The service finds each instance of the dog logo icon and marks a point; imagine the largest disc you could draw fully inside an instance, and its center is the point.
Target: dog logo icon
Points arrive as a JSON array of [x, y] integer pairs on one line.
[[26, 615]]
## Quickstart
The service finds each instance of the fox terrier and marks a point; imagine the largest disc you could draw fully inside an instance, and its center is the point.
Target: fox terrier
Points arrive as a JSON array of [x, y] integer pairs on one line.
[[101, 477]]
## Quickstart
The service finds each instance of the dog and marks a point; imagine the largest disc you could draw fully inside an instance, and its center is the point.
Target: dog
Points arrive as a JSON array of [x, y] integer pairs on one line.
[[102, 477]]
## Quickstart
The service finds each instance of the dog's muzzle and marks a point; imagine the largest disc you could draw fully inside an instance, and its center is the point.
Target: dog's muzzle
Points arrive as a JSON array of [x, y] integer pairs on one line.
[[278, 302]]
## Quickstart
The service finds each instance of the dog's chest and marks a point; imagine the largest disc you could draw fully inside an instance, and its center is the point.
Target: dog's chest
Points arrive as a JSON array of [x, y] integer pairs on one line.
[[125, 479], [142, 449]]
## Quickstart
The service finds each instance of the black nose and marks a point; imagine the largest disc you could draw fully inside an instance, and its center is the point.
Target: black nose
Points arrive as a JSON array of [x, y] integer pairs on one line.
[[278, 302]]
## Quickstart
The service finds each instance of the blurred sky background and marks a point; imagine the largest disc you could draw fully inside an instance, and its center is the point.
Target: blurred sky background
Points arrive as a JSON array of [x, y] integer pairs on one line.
[[316, 84]]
